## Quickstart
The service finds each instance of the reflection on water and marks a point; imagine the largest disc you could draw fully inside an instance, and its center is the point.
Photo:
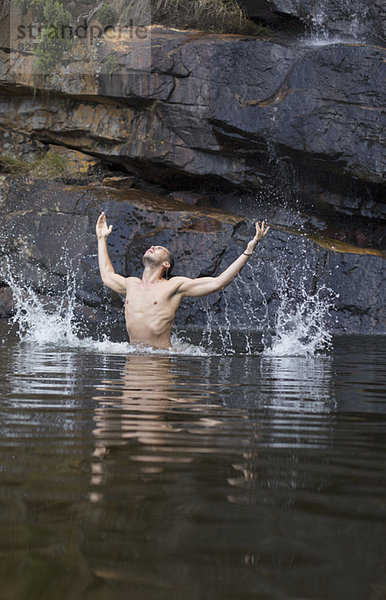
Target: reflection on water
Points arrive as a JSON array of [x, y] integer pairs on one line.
[[173, 477], [150, 405], [302, 385]]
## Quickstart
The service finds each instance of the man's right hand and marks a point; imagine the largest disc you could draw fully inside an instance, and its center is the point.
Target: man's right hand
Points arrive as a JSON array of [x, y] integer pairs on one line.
[[102, 231], [261, 231]]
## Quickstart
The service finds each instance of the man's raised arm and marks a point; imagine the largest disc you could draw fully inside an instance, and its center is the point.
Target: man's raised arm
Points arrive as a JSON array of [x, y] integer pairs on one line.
[[109, 276], [206, 285]]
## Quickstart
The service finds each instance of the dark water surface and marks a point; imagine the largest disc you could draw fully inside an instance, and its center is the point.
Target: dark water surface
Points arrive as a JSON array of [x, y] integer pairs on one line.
[[202, 477]]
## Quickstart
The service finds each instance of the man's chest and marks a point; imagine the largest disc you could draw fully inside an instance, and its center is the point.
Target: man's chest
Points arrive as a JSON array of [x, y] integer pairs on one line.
[[148, 298]]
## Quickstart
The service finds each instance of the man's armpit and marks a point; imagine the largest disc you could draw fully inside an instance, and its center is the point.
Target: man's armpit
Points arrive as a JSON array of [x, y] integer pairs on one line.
[[179, 282]]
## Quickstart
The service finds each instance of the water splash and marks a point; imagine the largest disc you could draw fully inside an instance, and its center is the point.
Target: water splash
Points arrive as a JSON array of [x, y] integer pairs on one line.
[[254, 305], [225, 333], [353, 19], [319, 35], [54, 323], [39, 322], [207, 334], [317, 42], [299, 328]]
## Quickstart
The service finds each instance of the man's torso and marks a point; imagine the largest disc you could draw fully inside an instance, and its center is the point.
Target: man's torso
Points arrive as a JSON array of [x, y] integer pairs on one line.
[[150, 309]]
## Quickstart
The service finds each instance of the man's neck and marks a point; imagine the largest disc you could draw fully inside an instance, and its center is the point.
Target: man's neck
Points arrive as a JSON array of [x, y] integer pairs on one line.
[[152, 275]]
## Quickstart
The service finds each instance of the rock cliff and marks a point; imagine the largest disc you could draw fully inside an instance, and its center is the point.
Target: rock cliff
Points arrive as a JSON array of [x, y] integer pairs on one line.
[[234, 111], [211, 106], [274, 127]]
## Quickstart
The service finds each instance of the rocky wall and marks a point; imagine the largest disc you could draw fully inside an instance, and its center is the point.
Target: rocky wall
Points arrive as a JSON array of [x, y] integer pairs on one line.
[[351, 19], [47, 231], [277, 127], [213, 106], [232, 112]]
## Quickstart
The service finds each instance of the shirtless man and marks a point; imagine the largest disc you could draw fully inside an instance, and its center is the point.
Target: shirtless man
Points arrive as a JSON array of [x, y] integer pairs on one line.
[[152, 301]]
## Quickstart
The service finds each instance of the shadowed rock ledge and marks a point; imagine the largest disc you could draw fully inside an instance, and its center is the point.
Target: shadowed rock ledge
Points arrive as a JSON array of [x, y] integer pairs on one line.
[[218, 106]]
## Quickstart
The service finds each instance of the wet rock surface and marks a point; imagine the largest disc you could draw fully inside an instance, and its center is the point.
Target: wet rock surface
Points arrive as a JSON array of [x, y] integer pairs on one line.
[[220, 125], [6, 302], [356, 18], [48, 232], [212, 108]]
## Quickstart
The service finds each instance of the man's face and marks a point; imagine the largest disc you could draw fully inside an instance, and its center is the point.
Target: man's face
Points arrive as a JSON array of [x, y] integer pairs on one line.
[[157, 254]]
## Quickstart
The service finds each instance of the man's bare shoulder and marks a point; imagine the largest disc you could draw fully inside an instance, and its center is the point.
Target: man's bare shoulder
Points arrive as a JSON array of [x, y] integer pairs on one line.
[[176, 282], [179, 279], [132, 281]]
